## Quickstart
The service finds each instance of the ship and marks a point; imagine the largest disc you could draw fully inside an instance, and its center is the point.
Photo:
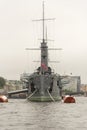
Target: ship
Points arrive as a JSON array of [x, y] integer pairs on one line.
[[43, 85]]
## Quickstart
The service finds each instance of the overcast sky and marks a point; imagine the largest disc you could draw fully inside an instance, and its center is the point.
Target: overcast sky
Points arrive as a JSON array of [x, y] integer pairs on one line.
[[17, 32]]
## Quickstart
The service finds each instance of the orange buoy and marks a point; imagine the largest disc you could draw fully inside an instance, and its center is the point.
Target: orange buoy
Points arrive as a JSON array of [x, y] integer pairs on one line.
[[69, 99], [3, 98]]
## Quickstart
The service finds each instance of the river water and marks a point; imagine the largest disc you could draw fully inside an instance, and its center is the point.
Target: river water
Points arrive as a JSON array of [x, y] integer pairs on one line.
[[18, 114]]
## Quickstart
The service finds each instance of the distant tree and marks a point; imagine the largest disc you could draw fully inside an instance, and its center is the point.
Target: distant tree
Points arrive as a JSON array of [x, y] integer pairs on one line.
[[2, 82]]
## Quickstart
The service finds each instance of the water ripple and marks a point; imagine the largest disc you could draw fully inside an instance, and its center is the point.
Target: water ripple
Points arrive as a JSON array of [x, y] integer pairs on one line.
[[22, 115]]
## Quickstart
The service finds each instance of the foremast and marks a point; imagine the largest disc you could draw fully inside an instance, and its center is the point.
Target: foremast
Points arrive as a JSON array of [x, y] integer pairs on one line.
[[44, 49]]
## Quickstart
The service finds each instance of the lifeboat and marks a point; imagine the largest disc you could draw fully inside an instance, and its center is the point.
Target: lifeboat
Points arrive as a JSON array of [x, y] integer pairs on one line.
[[69, 99], [3, 98]]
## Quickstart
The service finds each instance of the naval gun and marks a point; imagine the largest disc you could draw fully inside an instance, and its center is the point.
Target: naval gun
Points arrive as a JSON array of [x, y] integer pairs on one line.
[[42, 85]]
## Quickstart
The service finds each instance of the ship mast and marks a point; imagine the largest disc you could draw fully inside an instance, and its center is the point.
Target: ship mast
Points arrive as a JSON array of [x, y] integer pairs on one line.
[[44, 49], [43, 21]]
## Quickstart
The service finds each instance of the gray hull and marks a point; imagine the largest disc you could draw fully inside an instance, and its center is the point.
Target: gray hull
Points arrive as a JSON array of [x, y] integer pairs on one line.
[[43, 88]]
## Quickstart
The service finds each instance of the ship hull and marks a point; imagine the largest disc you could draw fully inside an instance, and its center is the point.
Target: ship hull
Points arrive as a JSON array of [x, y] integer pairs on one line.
[[43, 99], [44, 88]]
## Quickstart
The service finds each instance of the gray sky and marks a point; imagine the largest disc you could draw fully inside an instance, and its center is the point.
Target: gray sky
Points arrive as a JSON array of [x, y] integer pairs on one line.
[[17, 32]]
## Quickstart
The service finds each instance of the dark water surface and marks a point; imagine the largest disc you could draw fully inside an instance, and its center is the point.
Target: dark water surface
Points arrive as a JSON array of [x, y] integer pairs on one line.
[[18, 114]]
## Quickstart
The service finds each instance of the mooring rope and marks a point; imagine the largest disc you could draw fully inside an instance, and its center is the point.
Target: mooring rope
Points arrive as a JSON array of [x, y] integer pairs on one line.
[[50, 96], [31, 94]]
